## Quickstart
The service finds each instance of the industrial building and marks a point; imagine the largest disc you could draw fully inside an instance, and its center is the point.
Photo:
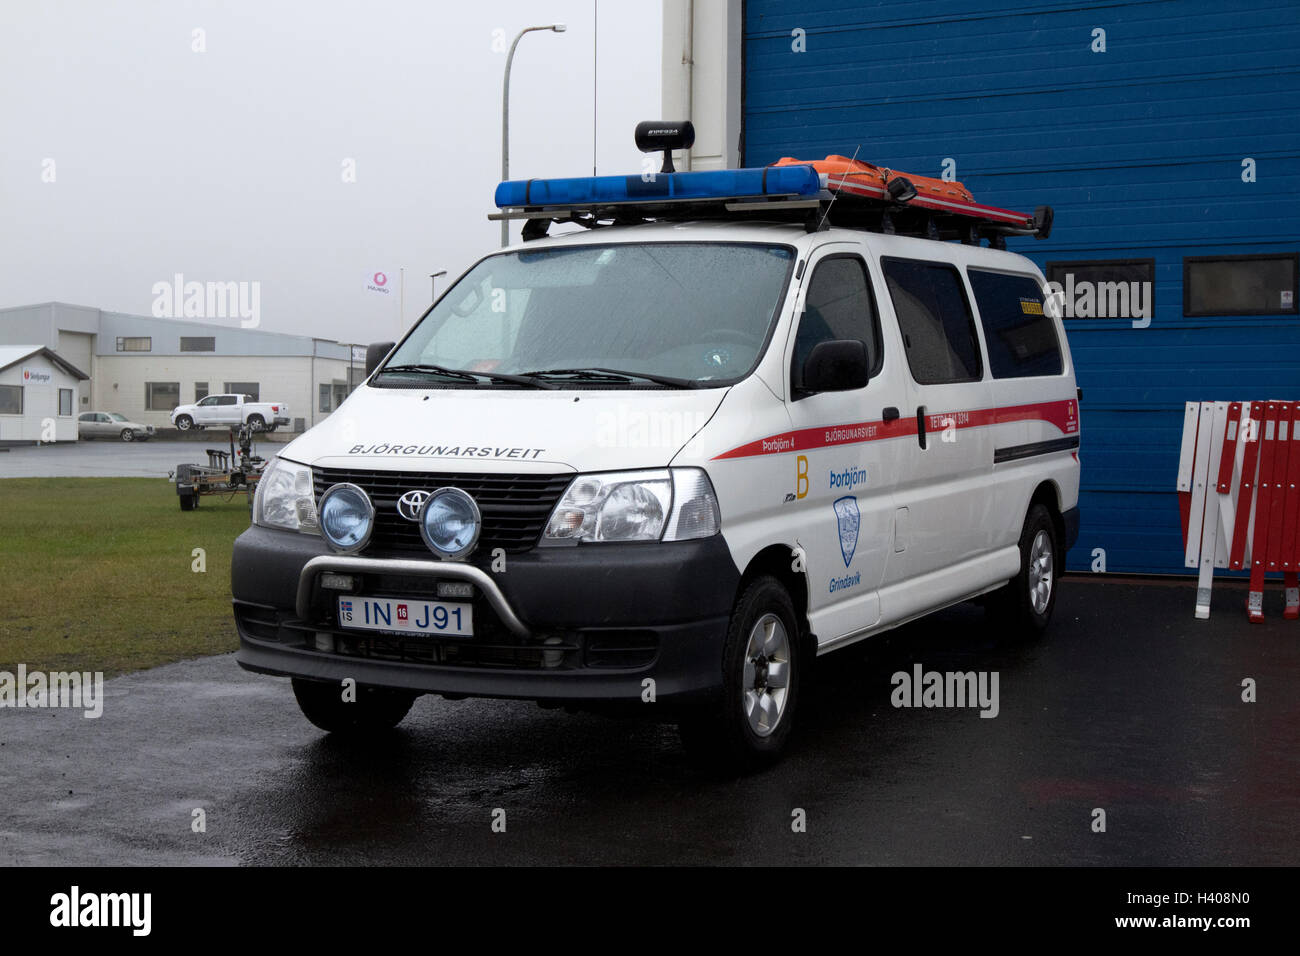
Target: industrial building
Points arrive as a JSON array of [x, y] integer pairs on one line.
[[1163, 134], [143, 367]]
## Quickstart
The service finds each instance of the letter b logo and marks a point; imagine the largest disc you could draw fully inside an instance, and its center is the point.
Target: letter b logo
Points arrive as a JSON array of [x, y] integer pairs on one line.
[[801, 478]]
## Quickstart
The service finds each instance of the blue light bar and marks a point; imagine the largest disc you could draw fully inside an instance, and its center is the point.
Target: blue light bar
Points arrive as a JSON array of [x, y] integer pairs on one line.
[[801, 181]]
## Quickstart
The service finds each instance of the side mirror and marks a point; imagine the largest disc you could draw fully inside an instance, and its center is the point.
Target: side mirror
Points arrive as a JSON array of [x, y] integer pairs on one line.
[[375, 353], [836, 366]]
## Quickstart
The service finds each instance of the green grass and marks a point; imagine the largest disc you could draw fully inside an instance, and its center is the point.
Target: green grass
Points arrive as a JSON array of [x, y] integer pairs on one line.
[[95, 574]]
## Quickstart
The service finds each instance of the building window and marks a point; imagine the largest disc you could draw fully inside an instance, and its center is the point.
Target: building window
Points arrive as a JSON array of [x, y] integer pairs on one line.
[[198, 343], [162, 396], [65, 401], [200, 391], [243, 388], [11, 399], [1241, 285], [135, 343], [325, 393], [1020, 336], [936, 321], [1105, 288]]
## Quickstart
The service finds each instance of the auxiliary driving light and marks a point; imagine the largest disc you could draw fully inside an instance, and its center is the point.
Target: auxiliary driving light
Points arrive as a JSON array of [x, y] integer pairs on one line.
[[347, 517], [450, 523]]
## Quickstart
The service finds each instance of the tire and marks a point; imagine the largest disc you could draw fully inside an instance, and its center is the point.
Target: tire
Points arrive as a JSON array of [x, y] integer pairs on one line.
[[375, 710], [184, 423], [188, 502], [748, 728], [1023, 608], [257, 423], [128, 435]]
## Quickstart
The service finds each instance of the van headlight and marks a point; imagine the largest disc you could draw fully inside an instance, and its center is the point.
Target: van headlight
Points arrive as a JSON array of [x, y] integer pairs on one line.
[[285, 498], [661, 505], [347, 518]]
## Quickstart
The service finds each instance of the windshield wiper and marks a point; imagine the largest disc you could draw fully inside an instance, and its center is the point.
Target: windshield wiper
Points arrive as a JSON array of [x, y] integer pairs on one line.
[[614, 375], [465, 376]]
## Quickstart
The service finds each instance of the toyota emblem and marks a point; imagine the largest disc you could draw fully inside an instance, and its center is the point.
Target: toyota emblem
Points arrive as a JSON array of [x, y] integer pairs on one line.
[[408, 506]]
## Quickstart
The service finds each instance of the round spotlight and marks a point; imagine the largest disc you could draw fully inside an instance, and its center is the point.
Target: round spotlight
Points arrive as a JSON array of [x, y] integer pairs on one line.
[[346, 516], [450, 523]]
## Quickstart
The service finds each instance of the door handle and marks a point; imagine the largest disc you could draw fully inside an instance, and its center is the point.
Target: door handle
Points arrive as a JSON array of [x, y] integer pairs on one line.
[[890, 414], [920, 424]]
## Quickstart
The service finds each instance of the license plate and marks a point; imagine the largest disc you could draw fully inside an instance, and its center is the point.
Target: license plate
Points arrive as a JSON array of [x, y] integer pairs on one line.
[[397, 616]]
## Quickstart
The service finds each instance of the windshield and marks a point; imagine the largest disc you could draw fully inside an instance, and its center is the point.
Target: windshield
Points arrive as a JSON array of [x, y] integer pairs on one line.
[[663, 314], [116, 417]]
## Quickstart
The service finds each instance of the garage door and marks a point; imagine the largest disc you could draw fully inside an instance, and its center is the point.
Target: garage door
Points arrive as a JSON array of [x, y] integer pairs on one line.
[[1163, 134]]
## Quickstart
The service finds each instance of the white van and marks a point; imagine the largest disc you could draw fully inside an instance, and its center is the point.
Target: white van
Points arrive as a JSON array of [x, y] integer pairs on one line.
[[662, 464]]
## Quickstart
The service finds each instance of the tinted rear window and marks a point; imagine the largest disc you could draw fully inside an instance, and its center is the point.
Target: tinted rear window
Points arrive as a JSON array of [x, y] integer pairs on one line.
[[935, 319], [1021, 338]]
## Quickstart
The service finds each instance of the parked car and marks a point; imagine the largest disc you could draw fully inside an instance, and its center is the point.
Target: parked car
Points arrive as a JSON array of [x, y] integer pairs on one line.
[[660, 466], [112, 425], [231, 409]]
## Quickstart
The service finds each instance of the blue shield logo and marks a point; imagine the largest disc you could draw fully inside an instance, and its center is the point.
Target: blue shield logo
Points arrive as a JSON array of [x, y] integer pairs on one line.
[[849, 519]]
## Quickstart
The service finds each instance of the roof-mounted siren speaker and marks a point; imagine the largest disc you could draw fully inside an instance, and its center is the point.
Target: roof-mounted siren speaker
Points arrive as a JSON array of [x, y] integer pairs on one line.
[[666, 135], [1042, 222], [901, 189]]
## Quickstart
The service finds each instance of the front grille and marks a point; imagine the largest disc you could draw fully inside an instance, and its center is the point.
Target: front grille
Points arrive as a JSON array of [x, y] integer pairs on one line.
[[515, 507]]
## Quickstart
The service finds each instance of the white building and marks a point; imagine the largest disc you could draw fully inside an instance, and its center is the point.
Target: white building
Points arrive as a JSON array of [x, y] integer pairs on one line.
[[143, 367], [38, 392]]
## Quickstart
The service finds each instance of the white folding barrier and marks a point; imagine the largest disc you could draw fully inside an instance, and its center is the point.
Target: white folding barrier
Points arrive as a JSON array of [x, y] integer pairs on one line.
[[1239, 494]]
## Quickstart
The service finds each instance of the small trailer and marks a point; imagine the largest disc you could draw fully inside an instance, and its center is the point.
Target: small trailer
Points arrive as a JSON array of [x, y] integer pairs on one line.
[[226, 473]]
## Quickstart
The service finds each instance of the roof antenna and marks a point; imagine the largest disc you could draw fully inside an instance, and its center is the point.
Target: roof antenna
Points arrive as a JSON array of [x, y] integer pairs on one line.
[[843, 178]]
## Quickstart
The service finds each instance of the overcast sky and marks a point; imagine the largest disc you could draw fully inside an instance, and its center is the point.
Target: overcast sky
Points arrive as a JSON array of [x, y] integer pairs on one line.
[[229, 164]]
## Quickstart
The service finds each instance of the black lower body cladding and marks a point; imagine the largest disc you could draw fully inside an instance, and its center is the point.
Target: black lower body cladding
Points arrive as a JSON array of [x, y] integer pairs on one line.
[[600, 619]]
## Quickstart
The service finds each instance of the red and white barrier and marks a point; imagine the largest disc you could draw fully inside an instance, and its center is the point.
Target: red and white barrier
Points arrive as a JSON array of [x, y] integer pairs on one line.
[[1239, 496]]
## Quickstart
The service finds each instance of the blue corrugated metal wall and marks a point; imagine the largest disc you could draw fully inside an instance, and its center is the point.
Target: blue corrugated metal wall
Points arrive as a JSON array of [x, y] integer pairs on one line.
[[1139, 149]]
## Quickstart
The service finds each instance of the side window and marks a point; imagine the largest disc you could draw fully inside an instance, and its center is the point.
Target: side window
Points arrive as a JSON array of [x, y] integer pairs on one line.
[[1021, 339], [839, 305], [935, 319]]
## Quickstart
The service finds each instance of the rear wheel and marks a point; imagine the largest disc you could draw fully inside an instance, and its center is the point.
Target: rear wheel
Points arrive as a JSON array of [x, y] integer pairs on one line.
[[1024, 606], [748, 728], [257, 423], [375, 709], [189, 502]]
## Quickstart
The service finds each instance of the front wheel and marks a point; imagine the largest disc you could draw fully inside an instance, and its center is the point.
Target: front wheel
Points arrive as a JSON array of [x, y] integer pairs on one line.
[[184, 423], [128, 435], [748, 728], [374, 710], [1024, 605]]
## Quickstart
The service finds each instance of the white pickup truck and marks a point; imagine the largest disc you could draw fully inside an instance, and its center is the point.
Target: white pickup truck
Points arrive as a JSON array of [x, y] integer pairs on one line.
[[231, 409]]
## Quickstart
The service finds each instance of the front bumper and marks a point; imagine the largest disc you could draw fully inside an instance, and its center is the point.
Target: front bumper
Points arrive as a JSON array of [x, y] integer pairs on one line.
[[577, 624]]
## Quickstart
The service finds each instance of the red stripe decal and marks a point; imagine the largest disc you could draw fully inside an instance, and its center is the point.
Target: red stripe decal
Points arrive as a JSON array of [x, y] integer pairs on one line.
[[1063, 414]]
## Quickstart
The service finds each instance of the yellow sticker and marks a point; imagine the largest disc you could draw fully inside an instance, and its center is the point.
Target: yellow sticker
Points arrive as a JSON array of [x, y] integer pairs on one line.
[[1031, 306]]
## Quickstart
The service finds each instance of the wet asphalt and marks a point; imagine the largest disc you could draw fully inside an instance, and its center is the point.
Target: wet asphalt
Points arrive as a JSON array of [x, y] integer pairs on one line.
[[103, 458], [1128, 705]]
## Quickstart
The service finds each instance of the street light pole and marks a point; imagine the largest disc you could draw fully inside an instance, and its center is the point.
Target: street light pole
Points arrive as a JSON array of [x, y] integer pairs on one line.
[[433, 284], [505, 114]]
